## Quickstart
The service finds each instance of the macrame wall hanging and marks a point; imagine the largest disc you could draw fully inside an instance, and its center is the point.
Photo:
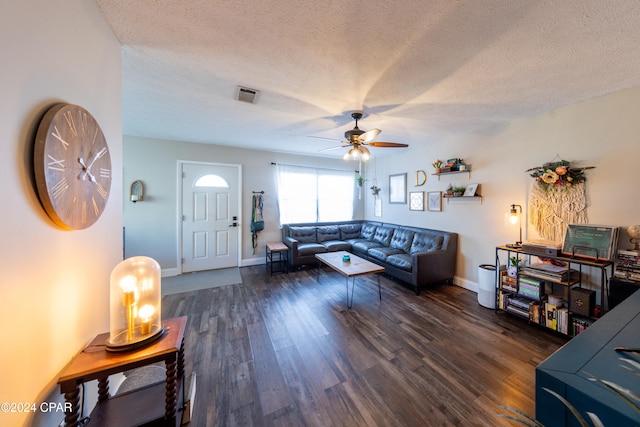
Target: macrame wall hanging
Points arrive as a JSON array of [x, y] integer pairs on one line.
[[558, 198]]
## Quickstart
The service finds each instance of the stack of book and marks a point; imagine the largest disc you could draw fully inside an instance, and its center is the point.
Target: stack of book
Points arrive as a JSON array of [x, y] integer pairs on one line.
[[530, 287], [515, 305], [628, 265], [512, 303], [579, 325], [508, 283], [551, 272], [555, 314]]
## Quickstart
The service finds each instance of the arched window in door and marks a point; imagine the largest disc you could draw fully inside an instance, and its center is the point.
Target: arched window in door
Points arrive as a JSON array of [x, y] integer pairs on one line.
[[211, 181]]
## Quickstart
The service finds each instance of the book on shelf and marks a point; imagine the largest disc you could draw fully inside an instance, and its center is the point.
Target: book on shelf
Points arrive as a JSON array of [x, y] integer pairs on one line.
[[627, 265], [562, 320], [551, 272], [551, 316], [509, 283], [579, 325], [534, 312], [531, 291]]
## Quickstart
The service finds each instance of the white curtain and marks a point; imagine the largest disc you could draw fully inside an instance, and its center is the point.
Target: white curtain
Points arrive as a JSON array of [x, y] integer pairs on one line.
[[314, 195]]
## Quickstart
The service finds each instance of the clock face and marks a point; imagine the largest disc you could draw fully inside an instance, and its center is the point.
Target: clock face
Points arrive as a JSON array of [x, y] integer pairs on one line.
[[72, 166]]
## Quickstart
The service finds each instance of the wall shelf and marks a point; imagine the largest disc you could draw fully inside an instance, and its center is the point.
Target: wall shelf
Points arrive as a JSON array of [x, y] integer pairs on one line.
[[468, 172], [464, 198]]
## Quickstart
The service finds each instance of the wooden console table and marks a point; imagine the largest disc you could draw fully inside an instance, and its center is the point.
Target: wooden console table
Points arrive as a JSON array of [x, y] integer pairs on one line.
[[138, 407]]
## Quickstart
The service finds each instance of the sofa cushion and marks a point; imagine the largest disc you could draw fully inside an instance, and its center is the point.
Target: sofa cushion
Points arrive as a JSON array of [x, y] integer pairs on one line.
[[327, 232], [303, 234], [363, 246], [336, 245], [402, 261], [350, 231], [402, 239], [426, 242], [383, 235], [368, 230], [306, 249], [383, 252]]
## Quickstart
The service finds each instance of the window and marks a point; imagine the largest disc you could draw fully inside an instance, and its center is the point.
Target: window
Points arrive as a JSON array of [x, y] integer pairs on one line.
[[314, 195], [211, 181]]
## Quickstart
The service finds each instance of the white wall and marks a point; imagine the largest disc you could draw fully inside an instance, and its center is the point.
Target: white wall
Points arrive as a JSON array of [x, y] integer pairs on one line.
[[602, 132], [151, 226], [54, 289]]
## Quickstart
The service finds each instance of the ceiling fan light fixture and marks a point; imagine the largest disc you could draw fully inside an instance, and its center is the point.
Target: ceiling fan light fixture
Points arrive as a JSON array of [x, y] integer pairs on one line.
[[364, 153]]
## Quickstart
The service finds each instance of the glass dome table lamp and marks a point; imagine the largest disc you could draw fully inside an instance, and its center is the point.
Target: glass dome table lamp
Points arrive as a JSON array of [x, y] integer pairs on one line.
[[135, 304]]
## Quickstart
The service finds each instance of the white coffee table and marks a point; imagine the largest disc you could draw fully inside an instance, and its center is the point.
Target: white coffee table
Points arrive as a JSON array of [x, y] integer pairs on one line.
[[355, 267]]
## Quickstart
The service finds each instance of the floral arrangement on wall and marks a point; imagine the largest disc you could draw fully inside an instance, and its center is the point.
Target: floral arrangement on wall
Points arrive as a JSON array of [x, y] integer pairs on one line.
[[557, 174], [557, 198]]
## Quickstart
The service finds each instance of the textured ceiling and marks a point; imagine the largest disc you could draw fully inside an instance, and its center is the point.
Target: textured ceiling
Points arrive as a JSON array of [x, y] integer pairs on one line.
[[419, 69]]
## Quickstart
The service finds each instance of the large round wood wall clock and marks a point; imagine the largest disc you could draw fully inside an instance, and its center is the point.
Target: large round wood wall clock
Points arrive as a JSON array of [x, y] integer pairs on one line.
[[72, 166]]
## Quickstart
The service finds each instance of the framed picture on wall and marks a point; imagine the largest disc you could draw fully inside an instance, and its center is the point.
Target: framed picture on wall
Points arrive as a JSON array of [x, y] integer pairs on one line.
[[470, 191], [434, 201], [398, 188], [416, 201]]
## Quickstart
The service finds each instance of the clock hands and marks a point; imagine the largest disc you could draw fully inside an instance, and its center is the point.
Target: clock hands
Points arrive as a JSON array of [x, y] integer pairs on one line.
[[86, 170], [97, 156]]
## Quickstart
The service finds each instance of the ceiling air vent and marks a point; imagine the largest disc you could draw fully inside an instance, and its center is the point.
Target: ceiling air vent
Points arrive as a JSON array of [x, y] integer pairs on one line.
[[245, 94]]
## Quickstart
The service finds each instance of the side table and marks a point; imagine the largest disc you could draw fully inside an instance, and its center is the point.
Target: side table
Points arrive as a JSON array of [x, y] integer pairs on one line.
[[138, 407], [282, 261]]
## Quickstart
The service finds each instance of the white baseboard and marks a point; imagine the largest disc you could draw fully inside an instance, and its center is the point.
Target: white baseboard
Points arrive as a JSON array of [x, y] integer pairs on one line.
[[248, 262], [169, 272], [466, 284]]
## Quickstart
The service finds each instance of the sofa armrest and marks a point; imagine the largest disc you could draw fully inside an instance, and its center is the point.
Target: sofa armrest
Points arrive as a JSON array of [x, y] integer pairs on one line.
[[433, 267], [292, 244]]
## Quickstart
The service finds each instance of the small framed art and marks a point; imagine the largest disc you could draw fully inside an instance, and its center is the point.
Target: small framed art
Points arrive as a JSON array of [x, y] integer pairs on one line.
[[398, 188], [470, 191], [434, 201], [416, 201]]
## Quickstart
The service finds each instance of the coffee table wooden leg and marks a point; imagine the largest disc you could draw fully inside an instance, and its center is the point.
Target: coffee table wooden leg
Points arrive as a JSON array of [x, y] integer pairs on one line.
[[379, 290], [353, 285]]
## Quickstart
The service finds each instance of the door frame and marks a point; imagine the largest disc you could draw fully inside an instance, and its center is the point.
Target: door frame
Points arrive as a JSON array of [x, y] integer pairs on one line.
[[179, 168]]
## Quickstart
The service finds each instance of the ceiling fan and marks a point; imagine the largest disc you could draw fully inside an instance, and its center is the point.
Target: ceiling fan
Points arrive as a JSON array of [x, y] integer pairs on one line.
[[358, 140]]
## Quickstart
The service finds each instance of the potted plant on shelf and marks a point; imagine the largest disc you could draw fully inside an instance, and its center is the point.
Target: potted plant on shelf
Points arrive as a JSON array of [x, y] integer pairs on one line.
[[449, 191], [458, 191], [437, 165], [513, 265]]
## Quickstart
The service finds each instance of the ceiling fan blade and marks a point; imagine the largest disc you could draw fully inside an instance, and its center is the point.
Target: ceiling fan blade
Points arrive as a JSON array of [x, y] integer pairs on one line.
[[369, 135], [322, 137], [387, 144], [333, 148]]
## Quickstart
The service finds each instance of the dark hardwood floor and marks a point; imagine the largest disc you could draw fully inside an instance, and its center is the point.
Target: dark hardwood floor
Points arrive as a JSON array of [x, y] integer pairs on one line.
[[284, 350]]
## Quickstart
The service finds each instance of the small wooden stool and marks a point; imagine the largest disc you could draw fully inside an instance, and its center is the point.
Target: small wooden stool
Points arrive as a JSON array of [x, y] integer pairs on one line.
[[281, 262]]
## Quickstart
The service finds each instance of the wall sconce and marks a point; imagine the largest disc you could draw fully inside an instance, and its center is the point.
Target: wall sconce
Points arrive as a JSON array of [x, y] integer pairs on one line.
[[515, 217], [137, 191], [135, 299]]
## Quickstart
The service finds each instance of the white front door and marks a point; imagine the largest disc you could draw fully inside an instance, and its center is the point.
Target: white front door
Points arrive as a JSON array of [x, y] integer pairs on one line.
[[210, 212]]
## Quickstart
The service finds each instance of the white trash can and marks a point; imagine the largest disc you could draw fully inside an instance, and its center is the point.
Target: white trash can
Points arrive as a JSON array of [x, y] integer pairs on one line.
[[487, 285]]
